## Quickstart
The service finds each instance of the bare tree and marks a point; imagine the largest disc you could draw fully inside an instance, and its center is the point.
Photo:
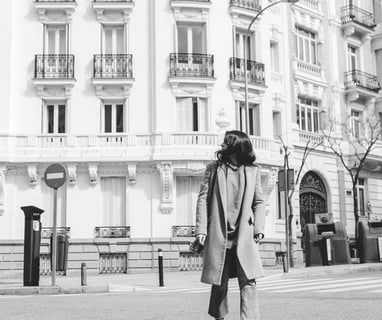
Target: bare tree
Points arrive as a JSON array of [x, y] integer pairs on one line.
[[309, 147], [353, 148]]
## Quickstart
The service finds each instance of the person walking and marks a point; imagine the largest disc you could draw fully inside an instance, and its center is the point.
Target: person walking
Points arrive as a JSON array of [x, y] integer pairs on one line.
[[230, 220]]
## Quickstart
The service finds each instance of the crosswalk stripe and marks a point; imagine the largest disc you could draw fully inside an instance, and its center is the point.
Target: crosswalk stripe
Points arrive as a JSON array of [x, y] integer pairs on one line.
[[354, 284], [377, 291], [375, 285], [310, 283]]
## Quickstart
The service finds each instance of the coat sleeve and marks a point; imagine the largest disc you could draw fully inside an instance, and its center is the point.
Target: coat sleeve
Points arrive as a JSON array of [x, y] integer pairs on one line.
[[202, 203], [258, 205]]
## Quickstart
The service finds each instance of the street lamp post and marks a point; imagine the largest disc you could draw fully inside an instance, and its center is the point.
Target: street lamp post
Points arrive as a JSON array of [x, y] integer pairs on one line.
[[245, 58]]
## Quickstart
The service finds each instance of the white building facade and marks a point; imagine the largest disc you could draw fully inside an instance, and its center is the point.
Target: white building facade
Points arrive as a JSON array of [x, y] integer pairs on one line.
[[133, 98]]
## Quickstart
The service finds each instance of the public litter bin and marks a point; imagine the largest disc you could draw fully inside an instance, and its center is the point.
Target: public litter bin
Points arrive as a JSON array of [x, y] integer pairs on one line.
[[62, 252], [32, 240], [326, 244], [369, 232]]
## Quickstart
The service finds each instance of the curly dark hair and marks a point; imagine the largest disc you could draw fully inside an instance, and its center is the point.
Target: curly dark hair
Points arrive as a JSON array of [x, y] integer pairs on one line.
[[238, 143]]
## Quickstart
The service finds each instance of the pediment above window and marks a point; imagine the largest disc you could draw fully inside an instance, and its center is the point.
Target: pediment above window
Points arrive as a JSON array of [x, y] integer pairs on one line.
[[190, 10], [113, 11], [55, 11]]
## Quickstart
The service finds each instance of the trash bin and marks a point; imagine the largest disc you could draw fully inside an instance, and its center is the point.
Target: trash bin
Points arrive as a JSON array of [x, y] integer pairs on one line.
[[326, 244], [369, 232], [62, 252], [32, 240]]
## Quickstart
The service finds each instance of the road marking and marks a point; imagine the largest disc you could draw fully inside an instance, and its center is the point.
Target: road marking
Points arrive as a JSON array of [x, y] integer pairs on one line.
[[337, 284], [376, 284]]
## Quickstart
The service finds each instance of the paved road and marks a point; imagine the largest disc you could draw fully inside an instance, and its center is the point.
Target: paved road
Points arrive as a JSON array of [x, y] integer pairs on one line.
[[357, 296]]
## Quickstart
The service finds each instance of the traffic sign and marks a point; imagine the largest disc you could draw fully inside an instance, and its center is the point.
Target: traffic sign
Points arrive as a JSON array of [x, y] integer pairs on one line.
[[55, 175]]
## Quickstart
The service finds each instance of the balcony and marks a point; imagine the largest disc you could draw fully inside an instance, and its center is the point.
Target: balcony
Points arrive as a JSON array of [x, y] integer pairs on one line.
[[113, 75], [193, 65], [55, 10], [54, 66], [183, 231], [47, 232], [255, 71], [114, 147], [113, 10], [112, 232], [54, 74], [357, 21], [361, 86], [255, 76], [191, 71], [247, 4]]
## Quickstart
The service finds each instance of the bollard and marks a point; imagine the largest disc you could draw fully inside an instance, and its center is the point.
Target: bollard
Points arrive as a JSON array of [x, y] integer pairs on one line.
[[83, 274], [160, 266], [285, 262]]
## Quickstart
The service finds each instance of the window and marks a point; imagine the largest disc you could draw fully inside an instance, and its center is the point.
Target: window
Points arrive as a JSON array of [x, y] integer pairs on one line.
[[355, 119], [307, 115], [54, 118], [113, 118], [277, 126], [191, 114], [361, 203], [56, 39], [306, 45], [191, 38], [352, 58], [114, 39], [275, 58], [187, 190], [254, 118], [240, 38], [113, 198]]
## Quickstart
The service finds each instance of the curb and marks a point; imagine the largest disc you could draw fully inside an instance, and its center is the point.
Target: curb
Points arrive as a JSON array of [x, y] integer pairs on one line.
[[25, 291]]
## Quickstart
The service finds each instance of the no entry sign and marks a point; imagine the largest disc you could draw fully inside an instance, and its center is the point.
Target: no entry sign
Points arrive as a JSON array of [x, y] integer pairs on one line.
[[55, 175]]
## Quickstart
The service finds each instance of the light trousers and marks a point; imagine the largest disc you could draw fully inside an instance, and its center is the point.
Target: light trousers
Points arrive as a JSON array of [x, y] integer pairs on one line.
[[249, 304]]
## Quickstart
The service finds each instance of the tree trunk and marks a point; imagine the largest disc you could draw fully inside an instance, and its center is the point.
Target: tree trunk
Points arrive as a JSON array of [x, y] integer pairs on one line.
[[356, 216]]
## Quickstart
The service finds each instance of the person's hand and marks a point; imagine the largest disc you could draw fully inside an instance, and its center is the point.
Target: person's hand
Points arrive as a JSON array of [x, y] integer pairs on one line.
[[201, 238], [258, 237]]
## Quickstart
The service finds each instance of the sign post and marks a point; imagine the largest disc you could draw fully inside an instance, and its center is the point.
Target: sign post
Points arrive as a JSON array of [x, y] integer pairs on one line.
[[54, 177]]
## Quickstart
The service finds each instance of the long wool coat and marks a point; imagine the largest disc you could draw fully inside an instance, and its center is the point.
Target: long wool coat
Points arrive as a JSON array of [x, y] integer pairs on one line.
[[211, 219]]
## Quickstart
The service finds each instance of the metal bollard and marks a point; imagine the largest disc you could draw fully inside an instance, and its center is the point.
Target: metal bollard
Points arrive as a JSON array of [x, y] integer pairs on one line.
[[83, 274], [160, 266]]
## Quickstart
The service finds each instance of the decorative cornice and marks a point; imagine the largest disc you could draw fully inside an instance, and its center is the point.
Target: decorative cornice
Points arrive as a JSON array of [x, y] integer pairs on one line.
[[93, 173], [72, 173], [32, 173], [132, 172]]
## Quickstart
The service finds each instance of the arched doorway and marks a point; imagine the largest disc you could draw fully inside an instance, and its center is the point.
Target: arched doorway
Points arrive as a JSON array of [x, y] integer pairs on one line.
[[313, 200]]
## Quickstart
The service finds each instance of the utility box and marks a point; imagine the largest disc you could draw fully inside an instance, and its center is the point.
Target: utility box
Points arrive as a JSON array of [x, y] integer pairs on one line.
[[369, 232], [326, 244], [32, 239], [62, 252]]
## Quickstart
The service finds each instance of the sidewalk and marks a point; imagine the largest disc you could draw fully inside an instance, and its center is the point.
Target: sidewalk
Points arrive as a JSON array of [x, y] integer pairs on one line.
[[71, 284]]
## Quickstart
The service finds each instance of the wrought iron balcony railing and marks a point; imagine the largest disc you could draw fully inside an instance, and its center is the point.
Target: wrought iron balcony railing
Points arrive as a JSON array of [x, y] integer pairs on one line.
[[352, 13], [183, 231], [112, 232], [191, 65], [47, 232], [255, 70], [359, 79], [54, 66], [247, 4], [113, 66]]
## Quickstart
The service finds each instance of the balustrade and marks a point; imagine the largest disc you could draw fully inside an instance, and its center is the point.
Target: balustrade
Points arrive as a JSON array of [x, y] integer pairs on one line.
[[255, 70], [56, 66], [191, 65]]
